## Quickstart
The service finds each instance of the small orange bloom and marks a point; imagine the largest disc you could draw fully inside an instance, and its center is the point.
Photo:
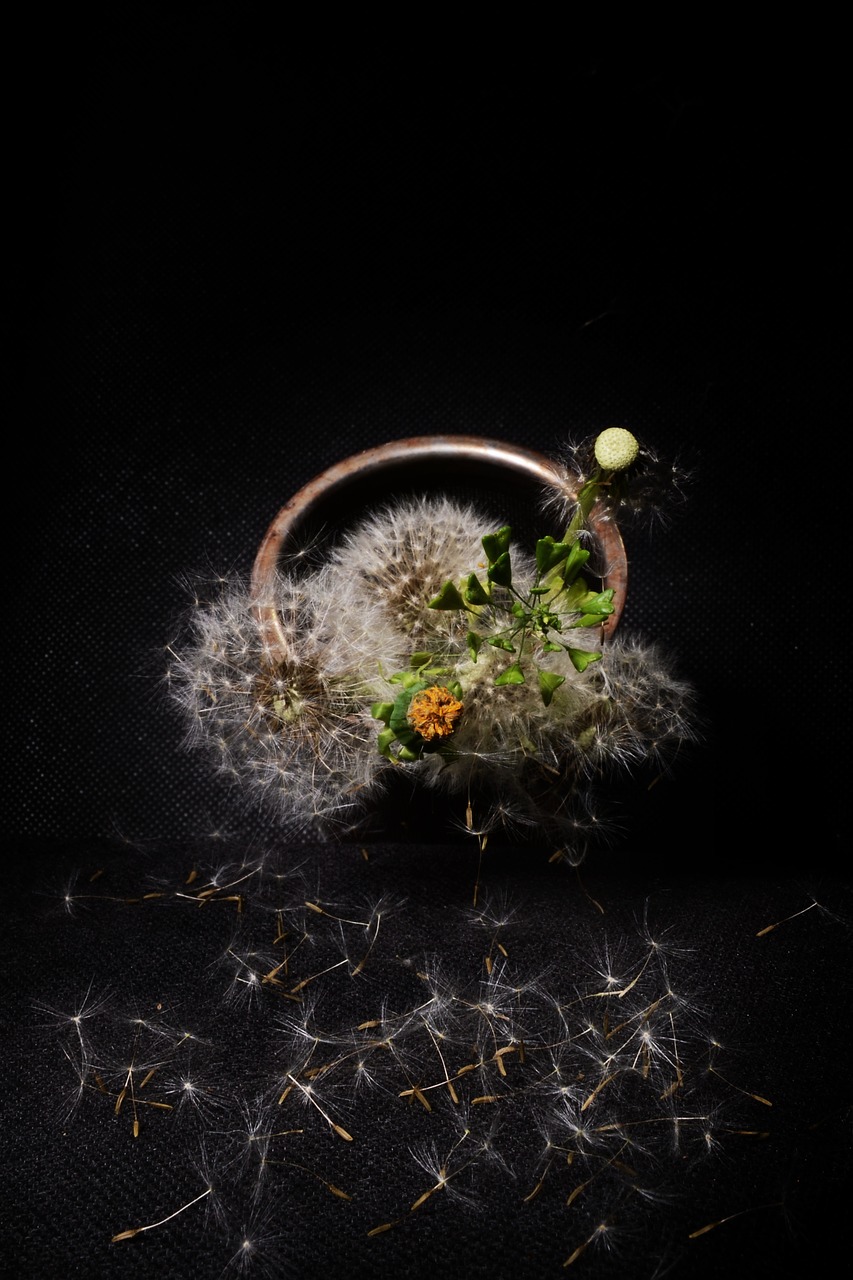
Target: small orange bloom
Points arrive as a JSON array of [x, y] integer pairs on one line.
[[433, 712]]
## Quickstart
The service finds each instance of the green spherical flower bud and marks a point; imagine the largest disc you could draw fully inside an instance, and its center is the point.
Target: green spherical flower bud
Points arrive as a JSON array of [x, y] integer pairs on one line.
[[616, 449]]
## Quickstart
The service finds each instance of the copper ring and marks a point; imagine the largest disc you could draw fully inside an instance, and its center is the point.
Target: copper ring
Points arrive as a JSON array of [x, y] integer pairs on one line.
[[418, 449]]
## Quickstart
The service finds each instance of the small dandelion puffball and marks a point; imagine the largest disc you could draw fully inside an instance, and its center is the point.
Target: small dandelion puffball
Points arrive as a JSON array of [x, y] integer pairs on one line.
[[616, 449]]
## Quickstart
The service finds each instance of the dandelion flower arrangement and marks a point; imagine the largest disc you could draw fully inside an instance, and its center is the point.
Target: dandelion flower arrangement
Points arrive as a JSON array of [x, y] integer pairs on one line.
[[426, 640]]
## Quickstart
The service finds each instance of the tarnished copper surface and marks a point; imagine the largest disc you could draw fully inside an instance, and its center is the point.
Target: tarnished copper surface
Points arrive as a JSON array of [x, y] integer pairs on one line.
[[419, 449]]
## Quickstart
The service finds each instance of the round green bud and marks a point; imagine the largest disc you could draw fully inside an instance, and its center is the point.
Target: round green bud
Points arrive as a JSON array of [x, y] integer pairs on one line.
[[616, 449]]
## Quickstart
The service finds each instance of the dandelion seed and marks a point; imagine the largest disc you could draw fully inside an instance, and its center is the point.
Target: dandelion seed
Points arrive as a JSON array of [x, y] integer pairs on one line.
[[308, 1094], [135, 1231], [710, 1226], [770, 927], [756, 1097], [597, 1090], [257, 1250], [599, 1236]]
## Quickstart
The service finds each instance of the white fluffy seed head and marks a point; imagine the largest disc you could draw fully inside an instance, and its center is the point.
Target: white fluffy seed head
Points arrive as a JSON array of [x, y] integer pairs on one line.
[[396, 560]]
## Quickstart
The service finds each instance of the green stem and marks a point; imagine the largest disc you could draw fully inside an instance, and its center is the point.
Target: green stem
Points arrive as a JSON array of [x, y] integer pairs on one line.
[[586, 501]]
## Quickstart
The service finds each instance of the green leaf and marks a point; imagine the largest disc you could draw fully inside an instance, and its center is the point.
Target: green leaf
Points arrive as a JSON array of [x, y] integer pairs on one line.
[[475, 592], [512, 675], [381, 711], [575, 561], [575, 593], [447, 598], [550, 647], [473, 641], [398, 720], [548, 682], [595, 608], [500, 642], [495, 544], [598, 602], [384, 741], [405, 678], [420, 659], [549, 553], [500, 570], [581, 658]]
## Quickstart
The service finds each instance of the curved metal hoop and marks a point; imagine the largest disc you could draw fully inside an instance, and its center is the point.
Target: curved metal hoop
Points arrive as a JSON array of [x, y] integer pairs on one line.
[[420, 449]]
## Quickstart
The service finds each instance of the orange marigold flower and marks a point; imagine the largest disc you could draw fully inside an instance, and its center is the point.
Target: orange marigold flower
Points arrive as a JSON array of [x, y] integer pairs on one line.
[[433, 712]]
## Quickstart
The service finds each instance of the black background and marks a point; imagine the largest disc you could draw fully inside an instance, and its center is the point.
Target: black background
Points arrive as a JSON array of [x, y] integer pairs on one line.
[[249, 253]]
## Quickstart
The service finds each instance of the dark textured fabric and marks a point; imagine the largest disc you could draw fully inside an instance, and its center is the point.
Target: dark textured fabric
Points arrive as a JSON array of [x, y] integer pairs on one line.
[[251, 259]]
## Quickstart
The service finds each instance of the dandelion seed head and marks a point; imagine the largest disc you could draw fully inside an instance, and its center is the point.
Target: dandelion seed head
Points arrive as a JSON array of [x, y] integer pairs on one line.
[[397, 559], [616, 449]]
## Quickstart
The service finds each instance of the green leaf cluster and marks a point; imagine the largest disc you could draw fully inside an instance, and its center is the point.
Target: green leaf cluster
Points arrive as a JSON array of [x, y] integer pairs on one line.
[[560, 600]]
